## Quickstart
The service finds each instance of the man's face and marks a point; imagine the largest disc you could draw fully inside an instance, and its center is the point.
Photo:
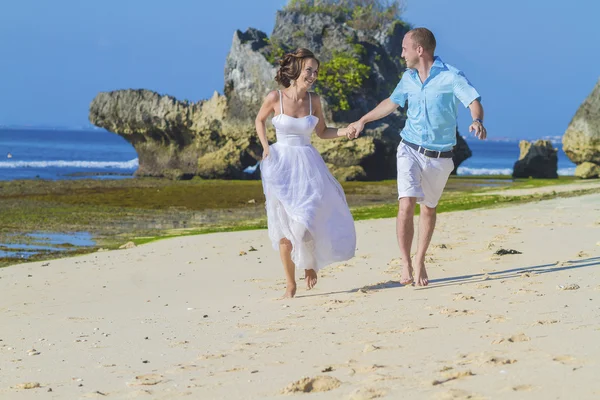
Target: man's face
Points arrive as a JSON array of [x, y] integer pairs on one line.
[[409, 52]]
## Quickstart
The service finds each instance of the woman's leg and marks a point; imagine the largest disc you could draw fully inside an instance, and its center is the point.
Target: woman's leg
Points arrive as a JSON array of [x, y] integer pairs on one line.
[[285, 252]]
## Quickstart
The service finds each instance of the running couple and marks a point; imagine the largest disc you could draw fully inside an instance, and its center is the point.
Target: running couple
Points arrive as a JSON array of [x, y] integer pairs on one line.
[[308, 217]]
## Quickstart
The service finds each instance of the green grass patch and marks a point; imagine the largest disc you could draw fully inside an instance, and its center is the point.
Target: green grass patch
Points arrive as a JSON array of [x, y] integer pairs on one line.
[[144, 210]]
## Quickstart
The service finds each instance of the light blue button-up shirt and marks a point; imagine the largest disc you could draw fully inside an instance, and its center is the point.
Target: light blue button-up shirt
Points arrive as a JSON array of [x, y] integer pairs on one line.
[[432, 105]]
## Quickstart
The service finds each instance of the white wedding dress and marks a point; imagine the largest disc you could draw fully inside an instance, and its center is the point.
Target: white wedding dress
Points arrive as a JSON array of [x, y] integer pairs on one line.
[[304, 202]]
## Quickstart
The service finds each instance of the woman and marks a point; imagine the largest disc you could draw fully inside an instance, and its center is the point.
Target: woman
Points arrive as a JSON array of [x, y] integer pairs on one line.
[[308, 217]]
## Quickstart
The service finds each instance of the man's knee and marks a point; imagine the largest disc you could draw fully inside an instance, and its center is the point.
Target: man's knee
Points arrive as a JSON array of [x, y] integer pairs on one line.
[[406, 205], [425, 210]]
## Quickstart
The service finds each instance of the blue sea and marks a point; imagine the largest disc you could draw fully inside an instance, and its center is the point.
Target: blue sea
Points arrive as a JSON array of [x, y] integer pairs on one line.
[[98, 154]]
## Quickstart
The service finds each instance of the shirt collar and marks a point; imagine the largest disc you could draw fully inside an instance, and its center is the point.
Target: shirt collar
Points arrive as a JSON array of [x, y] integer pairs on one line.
[[437, 64]]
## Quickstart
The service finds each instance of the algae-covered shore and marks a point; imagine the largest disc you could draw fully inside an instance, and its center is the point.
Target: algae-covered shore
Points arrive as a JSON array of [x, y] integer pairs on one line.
[[107, 213]]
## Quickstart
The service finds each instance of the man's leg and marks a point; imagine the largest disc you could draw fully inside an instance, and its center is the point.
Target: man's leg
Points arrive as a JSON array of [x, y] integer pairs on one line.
[[435, 175], [405, 231], [426, 226]]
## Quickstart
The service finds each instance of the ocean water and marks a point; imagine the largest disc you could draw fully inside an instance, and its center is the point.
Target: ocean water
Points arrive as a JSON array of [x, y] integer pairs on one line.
[[98, 154], [65, 154], [497, 157]]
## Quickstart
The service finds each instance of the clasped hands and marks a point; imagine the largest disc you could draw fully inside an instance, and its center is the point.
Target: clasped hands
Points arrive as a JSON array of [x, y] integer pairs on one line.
[[354, 129]]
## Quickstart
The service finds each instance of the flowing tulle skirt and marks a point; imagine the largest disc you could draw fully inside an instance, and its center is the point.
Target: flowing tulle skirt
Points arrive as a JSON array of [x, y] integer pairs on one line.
[[306, 205]]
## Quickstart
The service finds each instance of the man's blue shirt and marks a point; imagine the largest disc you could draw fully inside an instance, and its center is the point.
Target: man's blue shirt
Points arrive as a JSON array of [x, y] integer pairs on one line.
[[432, 105]]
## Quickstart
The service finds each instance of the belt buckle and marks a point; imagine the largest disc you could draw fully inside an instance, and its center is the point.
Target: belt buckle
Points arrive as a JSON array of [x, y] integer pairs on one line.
[[439, 154]]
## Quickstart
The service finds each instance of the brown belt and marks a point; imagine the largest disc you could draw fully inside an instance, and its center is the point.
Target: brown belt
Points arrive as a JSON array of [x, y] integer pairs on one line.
[[428, 153]]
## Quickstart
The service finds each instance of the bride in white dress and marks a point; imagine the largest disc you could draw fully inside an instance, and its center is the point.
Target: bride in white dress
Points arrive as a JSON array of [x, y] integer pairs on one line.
[[308, 217]]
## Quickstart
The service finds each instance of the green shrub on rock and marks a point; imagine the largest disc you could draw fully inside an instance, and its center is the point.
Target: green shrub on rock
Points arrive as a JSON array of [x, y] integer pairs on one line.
[[359, 14], [339, 78]]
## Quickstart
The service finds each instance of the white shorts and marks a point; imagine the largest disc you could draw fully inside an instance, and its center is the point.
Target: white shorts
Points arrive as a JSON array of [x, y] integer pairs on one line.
[[421, 176]]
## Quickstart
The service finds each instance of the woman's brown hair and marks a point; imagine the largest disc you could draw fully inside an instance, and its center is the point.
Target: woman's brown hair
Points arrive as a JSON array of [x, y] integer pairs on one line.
[[291, 64]]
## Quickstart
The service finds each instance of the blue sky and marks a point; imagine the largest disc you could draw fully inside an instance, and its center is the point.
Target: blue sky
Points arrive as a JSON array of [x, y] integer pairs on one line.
[[533, 61]]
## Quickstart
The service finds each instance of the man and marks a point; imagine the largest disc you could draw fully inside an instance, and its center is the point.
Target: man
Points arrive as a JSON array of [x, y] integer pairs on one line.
[[424, 156]]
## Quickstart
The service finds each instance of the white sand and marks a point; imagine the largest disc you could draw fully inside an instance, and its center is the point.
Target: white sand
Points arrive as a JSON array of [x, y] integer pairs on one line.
[[191, 317]]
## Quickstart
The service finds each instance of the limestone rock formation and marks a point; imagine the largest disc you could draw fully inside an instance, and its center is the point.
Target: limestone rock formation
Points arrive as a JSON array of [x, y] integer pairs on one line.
[[177, 139], [581, 141], [587, 170], [248, 74], [537, 160]]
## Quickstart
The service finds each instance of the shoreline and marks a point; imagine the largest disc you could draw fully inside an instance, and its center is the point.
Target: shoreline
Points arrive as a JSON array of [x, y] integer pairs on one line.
[[114, 218]]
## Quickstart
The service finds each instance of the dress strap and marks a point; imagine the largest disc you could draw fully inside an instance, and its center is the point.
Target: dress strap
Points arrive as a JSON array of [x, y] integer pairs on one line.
[[309, 104], [280, 103]]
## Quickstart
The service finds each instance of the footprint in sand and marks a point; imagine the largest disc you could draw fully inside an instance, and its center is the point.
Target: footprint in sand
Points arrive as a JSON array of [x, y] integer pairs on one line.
[[458, 394], [565, 359], [521, 337], [450, 312], [367, 394], [370, 347], [500, 361], [27, 385], [146, 380], [311, 385], [211, 356], [451, 376], [571, 286], [547, 322], [522, 388], [336, 304], [463, 297], [367, 369]]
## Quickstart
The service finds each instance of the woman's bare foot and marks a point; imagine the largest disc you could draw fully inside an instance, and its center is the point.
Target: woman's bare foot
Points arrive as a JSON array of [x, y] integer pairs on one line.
[[421, 278], [290, 291], [407, 275], [310, 275]]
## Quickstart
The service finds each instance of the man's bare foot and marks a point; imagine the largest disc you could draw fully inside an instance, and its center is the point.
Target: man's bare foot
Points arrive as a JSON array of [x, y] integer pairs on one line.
[[310, 275], [421, 278], [407, 275]]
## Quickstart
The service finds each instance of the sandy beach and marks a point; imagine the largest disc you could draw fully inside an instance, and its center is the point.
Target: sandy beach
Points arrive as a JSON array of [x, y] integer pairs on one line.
[[199, 316]]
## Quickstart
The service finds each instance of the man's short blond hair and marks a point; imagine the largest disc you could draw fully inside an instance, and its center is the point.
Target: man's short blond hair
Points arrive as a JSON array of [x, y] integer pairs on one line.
[[423, 37]]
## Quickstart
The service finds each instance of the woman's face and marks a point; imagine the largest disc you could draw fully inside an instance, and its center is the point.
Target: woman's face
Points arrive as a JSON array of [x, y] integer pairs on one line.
[[308, 74]]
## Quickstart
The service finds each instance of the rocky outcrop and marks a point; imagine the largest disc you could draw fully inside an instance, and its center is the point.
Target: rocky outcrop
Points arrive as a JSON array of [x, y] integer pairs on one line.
[[537, 160], [248, 74], [461, 152], [581, 141], [178, 139], [587, 170]]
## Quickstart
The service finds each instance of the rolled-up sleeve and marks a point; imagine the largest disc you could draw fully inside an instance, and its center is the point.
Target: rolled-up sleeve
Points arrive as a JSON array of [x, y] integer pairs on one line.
[[463, 90], [399, 94]]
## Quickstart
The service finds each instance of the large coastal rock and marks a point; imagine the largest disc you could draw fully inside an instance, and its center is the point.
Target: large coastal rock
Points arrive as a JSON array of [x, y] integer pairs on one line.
[[537, 160], [248, 74], [177, 139], [581, 141], [587, 170], [461, 152], [216, 138]]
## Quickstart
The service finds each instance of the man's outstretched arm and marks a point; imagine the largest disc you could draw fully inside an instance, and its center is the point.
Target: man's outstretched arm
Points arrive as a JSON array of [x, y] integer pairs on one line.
[[477, 115], [383, 109]]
